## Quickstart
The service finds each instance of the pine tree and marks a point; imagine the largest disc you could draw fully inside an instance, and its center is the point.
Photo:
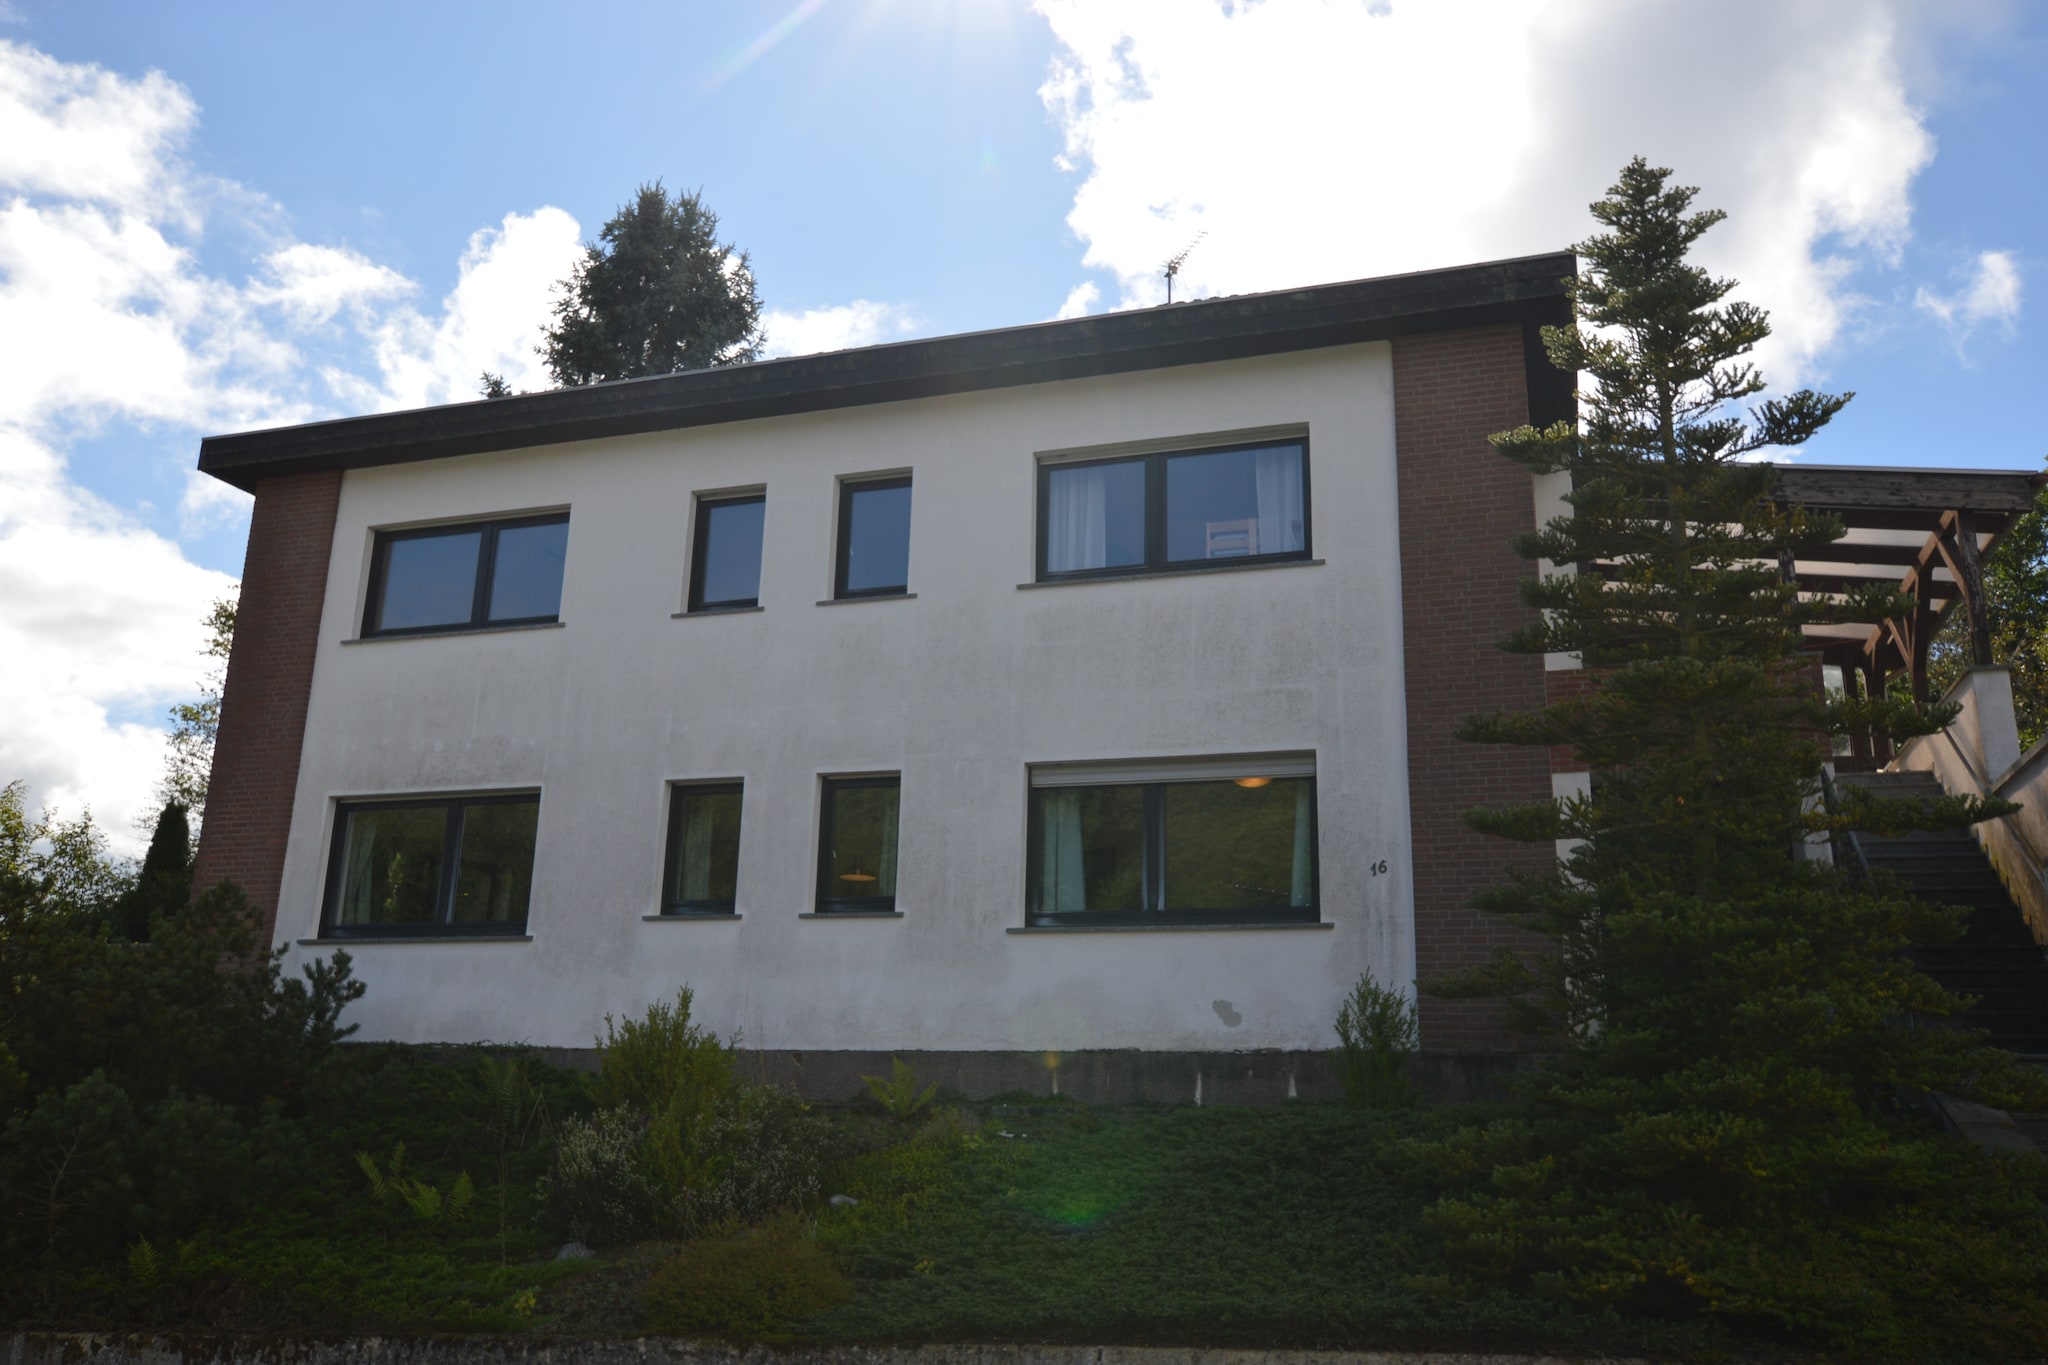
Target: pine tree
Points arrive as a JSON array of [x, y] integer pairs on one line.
[[1737, 1021], [661, 294], [164, 883]]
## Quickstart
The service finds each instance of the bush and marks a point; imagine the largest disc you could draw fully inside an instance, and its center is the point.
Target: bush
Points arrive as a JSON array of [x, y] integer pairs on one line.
[[1376, 1032], [748, 1284], [681, 1144], [771, 1151], [599, 1190]]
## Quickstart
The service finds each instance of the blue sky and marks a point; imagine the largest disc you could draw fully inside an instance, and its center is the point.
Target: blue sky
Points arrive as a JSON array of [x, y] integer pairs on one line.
[[217, 216]]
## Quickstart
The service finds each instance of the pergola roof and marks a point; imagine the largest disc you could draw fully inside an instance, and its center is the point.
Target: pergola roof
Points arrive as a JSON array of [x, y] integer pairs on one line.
[[1925, 531]]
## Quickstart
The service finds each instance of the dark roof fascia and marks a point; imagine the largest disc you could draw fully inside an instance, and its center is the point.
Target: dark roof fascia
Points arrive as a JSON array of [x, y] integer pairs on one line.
[[1880, 488], [1527, 289]]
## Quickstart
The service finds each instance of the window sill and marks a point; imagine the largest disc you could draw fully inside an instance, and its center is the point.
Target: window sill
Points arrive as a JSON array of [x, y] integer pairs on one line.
[[851, 914], [872, 597], [1192, 569], [343, 941], [454, 630], [1241, 927], [713, 915], [713, 611]]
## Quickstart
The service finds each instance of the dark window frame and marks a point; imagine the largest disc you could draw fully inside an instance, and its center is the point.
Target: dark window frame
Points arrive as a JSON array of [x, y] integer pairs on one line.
[[1152, 854], [843, 551], [442, 925], [700, 540], [486, 570], [678, 793], [1155, 560], [840, 905]]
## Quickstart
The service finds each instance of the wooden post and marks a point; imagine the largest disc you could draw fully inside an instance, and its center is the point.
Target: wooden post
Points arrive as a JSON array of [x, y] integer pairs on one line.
[[1970, 572], [1922, 637]]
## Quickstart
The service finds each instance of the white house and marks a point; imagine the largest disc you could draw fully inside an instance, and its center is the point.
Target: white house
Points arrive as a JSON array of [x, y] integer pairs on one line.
[[1065, 700]]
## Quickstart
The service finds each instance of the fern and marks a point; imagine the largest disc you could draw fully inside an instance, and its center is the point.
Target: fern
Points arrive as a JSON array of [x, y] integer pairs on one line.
[[899, 1095]]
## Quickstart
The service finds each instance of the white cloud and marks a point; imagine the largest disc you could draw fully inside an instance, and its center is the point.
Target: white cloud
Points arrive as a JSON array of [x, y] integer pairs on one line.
[[1991, 295], [492, 319], [1080, 299], [838, 328], [107, 315], [1318, 140]]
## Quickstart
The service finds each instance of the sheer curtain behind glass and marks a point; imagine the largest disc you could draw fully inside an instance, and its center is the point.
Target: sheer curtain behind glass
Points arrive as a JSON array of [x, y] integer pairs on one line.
[[1276, 473], [1077, 519]]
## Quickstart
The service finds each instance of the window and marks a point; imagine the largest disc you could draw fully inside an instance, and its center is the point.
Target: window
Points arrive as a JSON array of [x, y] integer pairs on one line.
[[857, 844], [703, 849], [1190, 509], [725, 561], [473, 576], [874, 539], [1232, 842], [460, 865]]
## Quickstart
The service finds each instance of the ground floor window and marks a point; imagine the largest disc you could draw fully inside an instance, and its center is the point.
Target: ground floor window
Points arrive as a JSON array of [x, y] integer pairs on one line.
[[703, 849], [857, 844], [1200, 843], [441, 865]]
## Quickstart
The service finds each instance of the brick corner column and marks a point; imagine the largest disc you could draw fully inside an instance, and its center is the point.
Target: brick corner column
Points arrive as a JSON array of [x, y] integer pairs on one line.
[[269, 682], [1460, 503]]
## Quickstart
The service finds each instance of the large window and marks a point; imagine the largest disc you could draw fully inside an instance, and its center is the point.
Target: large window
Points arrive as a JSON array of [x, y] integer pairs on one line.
[[1194, 848], [702, 877], [461, 865], [725, 561], [874, 539], [857, 844], [473, 576], [1181, 510]]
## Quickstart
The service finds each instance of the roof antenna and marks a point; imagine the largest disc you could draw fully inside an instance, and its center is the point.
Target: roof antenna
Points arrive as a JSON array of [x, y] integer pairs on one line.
[[1175, 261]]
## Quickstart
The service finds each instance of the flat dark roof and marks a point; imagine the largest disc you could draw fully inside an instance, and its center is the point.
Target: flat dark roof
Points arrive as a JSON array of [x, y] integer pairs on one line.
[[1525, 290]]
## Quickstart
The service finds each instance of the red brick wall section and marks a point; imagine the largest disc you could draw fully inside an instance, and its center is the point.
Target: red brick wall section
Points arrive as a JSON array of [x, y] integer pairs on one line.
[[1562, 684], [1460, 504], [269, 678]]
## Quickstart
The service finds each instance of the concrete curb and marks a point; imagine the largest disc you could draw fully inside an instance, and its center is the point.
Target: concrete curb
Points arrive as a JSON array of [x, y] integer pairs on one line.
[[83, 1348]]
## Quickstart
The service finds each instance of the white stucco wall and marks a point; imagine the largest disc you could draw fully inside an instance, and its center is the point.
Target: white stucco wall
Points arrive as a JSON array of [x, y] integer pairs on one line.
[[960, 690]]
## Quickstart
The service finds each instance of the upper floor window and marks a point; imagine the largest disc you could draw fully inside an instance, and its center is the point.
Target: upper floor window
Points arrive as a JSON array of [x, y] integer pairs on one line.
[[471, 576], [432, 866], [725, 561], [874, 538], [1180, 510], [1231, 841]]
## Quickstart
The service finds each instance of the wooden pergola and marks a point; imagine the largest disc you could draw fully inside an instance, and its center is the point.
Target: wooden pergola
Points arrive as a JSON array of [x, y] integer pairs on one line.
[[1925, 531]]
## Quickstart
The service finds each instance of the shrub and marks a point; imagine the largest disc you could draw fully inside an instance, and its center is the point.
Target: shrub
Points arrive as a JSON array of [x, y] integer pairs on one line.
[[600, 1190], [1376, 1033], [661, 1062], [771, 1148], [748, 1284]]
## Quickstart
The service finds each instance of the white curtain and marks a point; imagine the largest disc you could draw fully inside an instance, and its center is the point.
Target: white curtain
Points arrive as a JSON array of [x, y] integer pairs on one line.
[[1077, 521], [356, 876], [1061, 886], [1304, 845], [1277, 473], [696, 852], [885, 875]]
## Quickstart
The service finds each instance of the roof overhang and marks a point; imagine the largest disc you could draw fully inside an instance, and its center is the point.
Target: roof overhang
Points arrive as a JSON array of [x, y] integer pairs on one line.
[[1528, 290]]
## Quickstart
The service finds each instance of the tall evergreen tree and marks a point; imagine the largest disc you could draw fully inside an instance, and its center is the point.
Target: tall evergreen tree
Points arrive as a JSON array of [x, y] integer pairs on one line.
[[164, 883], [1722, 1133], [661, 293]]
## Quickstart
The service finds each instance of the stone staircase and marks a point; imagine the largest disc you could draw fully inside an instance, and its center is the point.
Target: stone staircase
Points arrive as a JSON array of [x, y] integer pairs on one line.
[[1996, 959]]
